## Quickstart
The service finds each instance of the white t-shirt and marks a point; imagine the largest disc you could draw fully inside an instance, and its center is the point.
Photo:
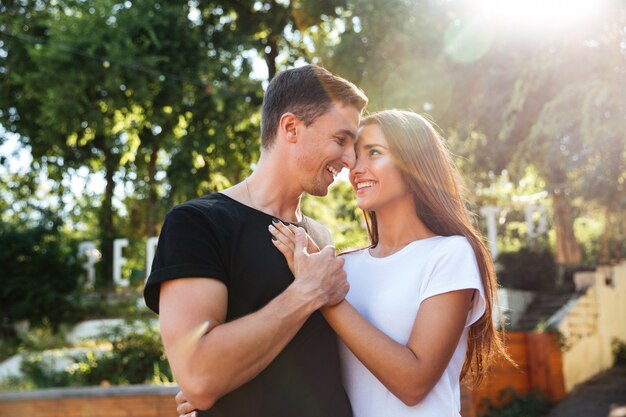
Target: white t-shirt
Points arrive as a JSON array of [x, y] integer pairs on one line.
[[388, 292]]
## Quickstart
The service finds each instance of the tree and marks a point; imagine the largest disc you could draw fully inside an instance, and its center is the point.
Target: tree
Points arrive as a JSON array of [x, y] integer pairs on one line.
[[506, 100], [40, 276], [122, 82]]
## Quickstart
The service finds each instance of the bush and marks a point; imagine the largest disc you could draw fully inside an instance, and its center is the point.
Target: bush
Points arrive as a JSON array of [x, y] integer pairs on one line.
[[534, 404], [529, 268], [40, 274], [136, 357], [39, 373], [619, 352]]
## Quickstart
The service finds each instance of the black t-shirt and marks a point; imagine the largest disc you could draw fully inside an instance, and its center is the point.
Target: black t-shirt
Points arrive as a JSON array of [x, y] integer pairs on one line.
[[218, 237]]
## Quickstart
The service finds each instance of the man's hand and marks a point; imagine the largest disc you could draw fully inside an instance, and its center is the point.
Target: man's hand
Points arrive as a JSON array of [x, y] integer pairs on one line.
[[183, 407], [320, 274]]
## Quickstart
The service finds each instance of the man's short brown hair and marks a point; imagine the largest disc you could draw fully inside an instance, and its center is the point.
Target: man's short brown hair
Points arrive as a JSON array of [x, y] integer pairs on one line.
[[308, 92]]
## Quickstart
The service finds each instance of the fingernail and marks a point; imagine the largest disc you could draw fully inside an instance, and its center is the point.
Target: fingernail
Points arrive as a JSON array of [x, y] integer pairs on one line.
[[272, 228], [275, 220], [285, 223], [274, 238]]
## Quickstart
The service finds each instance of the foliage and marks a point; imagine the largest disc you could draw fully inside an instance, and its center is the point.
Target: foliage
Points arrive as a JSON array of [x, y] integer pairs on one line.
[[619, 352], [135, 357], [509, 100], [39, 373], [534, 404], [124, 84], [42, 337], [9, 344], [114, 303], [40, 274], [529, 268]]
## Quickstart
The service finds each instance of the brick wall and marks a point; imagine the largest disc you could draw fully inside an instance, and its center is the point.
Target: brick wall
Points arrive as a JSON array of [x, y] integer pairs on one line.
[[130, 401]]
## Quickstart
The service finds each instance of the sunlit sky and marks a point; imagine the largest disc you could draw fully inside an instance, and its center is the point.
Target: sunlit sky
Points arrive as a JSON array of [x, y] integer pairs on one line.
[[539, 14]]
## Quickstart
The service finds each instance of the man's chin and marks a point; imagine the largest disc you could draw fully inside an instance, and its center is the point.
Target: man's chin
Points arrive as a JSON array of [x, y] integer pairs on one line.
[[318, 191]]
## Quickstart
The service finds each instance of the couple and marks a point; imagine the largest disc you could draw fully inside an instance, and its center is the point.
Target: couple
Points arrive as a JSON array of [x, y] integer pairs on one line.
[[250, 307]]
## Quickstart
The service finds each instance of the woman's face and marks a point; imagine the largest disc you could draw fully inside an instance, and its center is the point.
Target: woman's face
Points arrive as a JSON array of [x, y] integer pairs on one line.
[[376, 178]]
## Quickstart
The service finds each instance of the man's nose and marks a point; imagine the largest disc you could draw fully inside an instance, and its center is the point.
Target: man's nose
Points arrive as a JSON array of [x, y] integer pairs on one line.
[[349, 157]]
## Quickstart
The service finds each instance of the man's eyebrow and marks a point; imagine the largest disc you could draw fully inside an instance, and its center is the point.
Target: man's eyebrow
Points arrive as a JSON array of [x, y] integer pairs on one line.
[[347, 132]]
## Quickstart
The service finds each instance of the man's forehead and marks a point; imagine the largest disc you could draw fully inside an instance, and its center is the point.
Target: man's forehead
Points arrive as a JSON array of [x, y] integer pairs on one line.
[[347, 126]]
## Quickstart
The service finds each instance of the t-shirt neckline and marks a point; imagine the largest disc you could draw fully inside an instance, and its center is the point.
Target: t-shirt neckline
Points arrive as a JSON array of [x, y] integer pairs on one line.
[[298, 224], [399, 252]]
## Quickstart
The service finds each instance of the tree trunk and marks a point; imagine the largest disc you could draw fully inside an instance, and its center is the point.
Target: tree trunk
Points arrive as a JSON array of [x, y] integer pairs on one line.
[[567, 249], [152, 193], [270, 57], [107, 229], [605, 255]]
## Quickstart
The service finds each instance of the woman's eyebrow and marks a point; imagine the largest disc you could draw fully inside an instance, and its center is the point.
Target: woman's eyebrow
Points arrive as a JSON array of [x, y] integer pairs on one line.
[[374, 145]]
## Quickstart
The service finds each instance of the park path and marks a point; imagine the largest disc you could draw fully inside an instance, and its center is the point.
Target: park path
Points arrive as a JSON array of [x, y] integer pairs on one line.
[[595, 397]]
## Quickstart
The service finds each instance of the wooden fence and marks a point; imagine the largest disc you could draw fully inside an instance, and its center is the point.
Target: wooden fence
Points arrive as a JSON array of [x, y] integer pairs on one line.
[[539, 367]]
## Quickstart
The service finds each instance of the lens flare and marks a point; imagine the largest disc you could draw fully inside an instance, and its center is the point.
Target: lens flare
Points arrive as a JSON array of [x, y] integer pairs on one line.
[[539, 14]]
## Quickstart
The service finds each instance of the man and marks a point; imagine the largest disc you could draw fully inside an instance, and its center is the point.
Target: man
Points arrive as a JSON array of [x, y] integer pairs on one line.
[[242, 334]]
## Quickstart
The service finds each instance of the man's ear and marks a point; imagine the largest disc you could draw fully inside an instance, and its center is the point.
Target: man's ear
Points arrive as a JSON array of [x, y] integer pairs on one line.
[[289, 126]]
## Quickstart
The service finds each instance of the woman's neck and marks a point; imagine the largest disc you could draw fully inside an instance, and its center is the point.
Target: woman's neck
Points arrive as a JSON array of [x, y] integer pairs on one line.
[[398, 225]]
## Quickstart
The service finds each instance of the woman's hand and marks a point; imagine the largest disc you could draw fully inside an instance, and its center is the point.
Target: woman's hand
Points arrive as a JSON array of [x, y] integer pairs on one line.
[[183, 407], [284, 238]]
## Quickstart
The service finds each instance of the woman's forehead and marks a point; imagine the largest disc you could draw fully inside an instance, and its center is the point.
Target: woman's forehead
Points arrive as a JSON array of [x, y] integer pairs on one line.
[[370, 134]]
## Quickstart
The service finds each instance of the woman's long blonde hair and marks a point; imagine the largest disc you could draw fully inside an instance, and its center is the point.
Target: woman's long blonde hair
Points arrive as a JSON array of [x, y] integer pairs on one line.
[[427, 166]]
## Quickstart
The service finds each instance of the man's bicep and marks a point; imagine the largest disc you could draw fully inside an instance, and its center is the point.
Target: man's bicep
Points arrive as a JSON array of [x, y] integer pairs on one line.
[[189, 308]]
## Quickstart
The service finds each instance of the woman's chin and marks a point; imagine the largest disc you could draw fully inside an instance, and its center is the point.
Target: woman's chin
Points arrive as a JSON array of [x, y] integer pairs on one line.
[[363, 205]]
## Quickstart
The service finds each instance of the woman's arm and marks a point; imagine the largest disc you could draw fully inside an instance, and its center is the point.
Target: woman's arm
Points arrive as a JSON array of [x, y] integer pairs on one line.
[[409, 371]]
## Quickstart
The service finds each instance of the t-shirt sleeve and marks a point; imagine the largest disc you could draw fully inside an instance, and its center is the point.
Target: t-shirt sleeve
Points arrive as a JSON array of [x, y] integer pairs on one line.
[[454, 267], [189, 246]]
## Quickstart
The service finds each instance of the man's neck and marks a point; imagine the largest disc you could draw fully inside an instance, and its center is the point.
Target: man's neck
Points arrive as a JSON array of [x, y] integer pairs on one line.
[[270, 189]]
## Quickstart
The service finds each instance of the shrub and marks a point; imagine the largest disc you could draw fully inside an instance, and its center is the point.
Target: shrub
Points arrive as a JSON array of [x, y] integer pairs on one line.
[[529, 268], [534, 404], [619, 352], [40, 373], [135, 357], [40, 275]]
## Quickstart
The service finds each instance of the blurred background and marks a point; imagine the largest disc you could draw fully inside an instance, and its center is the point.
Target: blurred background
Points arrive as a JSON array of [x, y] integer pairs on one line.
[[112, 112]]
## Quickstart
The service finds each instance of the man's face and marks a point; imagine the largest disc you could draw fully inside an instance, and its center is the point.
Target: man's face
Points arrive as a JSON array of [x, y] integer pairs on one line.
[[326, 146]]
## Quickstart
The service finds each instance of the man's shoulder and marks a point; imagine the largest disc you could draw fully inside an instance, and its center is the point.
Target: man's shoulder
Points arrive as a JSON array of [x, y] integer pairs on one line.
[[207, 205], [212, 210], [206, 202]]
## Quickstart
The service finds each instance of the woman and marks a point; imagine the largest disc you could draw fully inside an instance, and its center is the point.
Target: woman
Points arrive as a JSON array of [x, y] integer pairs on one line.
[[419, 313]]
